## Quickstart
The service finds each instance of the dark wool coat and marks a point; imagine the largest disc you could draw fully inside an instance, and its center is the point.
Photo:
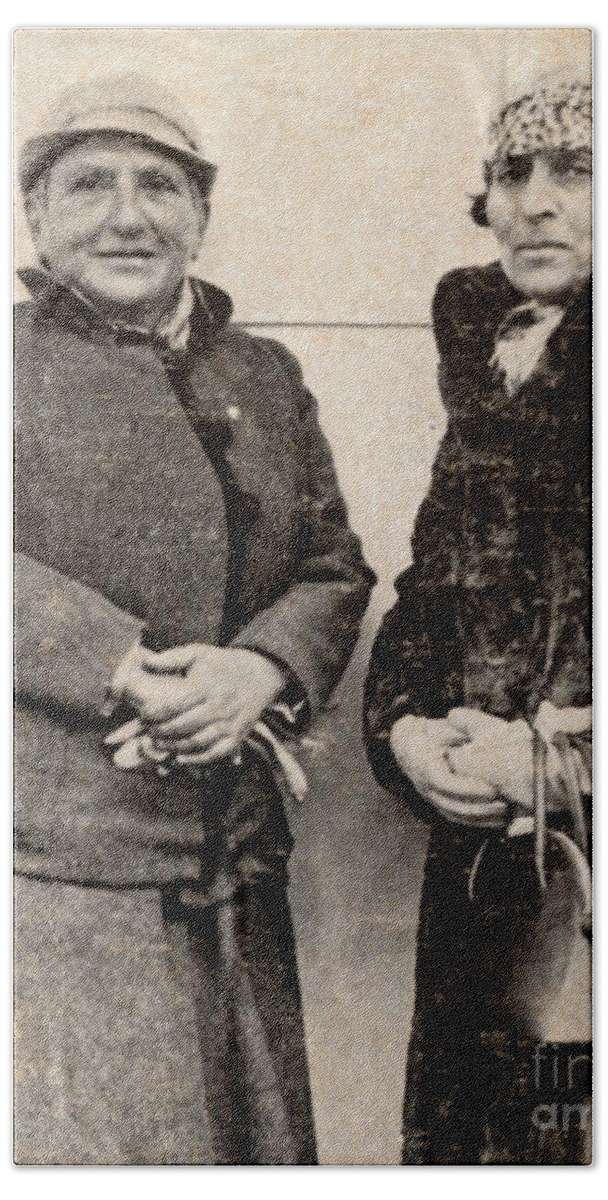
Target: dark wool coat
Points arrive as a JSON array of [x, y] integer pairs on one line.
[[494, 613], [132, 471], [187, 497]]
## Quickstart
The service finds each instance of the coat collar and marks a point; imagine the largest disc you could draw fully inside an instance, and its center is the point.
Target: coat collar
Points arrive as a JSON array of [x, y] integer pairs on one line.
[[211, 311], [576, 307]]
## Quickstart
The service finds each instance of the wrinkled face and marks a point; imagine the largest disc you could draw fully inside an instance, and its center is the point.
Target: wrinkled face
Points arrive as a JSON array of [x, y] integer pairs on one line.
[[119, 222], [539, 209]]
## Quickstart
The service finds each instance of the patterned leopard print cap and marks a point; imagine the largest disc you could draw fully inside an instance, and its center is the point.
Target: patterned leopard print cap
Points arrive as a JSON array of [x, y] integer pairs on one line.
[[552, 117]]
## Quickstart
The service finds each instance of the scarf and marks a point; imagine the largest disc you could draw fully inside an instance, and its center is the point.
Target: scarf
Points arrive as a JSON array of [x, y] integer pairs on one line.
[[521, 342]]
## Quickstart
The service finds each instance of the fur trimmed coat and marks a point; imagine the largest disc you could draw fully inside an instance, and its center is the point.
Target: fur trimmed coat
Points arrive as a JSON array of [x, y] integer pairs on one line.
[[493, 614]]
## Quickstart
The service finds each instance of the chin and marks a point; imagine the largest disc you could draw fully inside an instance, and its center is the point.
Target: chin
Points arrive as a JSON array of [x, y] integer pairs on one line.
[[121, 292], [545, 285]]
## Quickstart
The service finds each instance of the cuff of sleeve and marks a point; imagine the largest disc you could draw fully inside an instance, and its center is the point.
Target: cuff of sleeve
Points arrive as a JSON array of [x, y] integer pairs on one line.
[[292, 697]]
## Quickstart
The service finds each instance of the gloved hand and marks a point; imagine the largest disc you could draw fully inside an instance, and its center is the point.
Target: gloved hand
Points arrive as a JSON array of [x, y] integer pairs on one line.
[[500, 752], [569, 731], [421, 746]]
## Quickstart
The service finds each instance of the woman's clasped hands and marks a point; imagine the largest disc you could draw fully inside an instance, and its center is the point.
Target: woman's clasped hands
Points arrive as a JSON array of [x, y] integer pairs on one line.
[[195, 704], [476, 769]]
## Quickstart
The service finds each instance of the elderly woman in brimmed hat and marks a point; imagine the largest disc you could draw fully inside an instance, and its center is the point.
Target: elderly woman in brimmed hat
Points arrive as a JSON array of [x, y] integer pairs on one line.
[[477, 707], [188, 593]]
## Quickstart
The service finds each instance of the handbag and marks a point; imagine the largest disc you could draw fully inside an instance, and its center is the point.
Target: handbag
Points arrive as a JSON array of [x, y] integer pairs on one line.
[[537, 876]]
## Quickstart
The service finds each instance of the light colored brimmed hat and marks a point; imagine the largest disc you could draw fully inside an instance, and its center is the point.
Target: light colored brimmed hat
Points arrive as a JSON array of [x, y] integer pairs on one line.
[[126, 104]]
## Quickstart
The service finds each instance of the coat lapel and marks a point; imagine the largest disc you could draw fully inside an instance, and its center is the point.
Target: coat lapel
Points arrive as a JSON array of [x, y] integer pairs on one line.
[[122, 495]]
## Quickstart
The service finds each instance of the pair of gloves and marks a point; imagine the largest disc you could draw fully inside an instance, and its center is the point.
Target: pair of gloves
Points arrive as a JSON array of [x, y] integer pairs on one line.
[[477, 770]]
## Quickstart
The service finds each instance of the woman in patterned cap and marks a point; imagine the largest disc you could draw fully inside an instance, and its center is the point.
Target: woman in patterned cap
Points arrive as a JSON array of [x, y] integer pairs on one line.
[[477, 704]]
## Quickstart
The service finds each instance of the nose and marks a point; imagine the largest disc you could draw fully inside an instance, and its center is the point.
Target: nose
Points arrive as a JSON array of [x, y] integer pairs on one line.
[[128, 217], [540, 196]]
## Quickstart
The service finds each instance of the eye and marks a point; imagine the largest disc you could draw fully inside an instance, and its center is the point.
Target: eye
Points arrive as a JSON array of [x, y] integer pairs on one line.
[[513, 171], [89, 182], [573, 174], [158, 183], [571, 167]]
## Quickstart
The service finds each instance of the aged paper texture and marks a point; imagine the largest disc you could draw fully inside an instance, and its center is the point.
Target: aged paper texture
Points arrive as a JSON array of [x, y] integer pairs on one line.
[[302, 413]]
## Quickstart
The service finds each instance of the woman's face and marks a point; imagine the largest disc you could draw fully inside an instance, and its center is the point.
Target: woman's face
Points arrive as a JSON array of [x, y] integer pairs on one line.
[[539, 209], [119, 222]]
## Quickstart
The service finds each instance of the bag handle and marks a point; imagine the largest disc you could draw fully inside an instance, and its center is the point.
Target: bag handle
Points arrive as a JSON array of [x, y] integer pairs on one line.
[[575, 846], [539, 801]]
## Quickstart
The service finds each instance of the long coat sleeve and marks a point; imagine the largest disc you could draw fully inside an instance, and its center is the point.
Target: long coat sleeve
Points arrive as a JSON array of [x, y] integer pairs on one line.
[[69, 640], [415, 666], [312, 625]]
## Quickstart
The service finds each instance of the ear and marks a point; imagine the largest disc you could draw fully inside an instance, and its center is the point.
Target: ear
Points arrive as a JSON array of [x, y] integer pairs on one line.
[[204, 213]]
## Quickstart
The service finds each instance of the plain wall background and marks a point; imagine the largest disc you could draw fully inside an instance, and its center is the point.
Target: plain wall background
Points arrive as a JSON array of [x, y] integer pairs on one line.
[[347, 158]]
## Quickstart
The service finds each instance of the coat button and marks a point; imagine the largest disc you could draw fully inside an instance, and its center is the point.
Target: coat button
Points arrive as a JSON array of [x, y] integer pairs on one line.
[[233, 411]]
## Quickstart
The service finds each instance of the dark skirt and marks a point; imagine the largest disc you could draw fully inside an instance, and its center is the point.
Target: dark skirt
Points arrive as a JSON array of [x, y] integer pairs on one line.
[[482, 1087]]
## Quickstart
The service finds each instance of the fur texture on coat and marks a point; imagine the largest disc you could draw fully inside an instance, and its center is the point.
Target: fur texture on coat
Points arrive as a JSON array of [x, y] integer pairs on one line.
[[501, 545], [494, 614]]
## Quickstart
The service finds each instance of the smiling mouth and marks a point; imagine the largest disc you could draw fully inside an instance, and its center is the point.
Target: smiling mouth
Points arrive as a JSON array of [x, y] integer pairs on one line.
[[531, 247]]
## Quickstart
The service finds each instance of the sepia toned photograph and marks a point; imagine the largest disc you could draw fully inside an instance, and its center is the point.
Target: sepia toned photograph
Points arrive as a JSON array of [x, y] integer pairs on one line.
[[302, 579]]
